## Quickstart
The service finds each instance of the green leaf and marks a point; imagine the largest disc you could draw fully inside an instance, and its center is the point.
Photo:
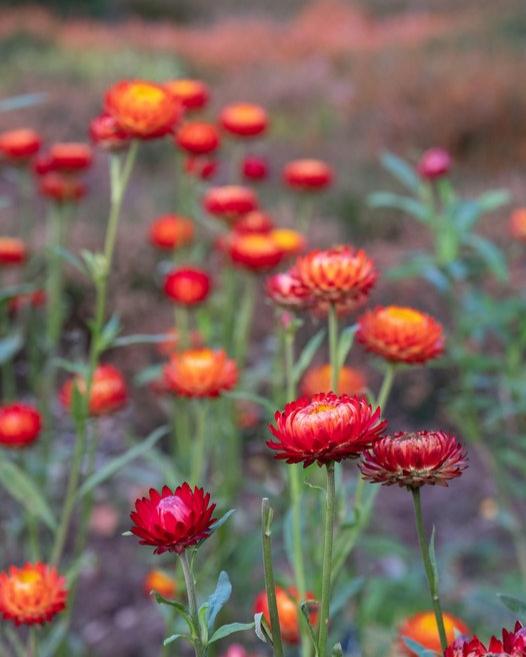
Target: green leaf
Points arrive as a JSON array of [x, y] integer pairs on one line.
[[261, 628], [70, 366], [174, 637], [345, 343], [337, 650], [25, 491], [231, 628], [306, 609], [10, 346], [120, 461], [178, 607], [307, 354], [245, 395], [432, 554], [490, 254], [405, 204], [50, 644], [109, 333], [402, 171], [513, 604], [148, 374], [128, 340], [417, 648], [218, 599], [494, 199], [72, 259], [219, 523]]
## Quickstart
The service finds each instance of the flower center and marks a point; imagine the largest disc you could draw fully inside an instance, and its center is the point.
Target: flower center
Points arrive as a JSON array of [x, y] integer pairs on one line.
[[173, 506], [400, 315]]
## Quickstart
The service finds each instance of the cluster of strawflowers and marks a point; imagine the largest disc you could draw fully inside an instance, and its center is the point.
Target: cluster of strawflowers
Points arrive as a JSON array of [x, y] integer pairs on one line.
[[327, 426]]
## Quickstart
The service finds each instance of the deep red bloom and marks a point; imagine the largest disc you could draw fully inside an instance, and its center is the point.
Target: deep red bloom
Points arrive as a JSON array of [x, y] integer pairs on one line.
[[61, 188], [188, 286], [197, 138], [106, 133], [286, 290], [191, 94], [18, 146], [173, 521], [108, 391], [307, 175], [434, 163], [203, 168], [254, 251], [42, 164], [422, 628], [200, 373], [32, 594], [254, 222], [70, 157], [142, 109], [254, 167], [401, 335], [20, 425], [325, 428], [513, 643], [414, 459], [244, 119], [230, 201], [287, 603], [171, 231], [337, 275], [12, 251]]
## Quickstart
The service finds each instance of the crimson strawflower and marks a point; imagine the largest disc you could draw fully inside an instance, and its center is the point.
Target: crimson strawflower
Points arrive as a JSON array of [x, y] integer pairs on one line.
[[70, 157], [20, 425], [61, 188], [308, 175], [203, 168], [286, 290], [105, 132], [414, 459], [325, 428], [109, 392], [230, 201], [12, 251], [513, 643], [172, 521], [434, 163], [18, 146], [187, 286], [254, 251], [244, 119], [318, 379], [518, 224], [254, 168], [256, 221]]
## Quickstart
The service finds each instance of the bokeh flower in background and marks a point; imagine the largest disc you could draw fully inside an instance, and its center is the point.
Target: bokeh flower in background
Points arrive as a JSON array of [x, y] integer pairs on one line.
[[108, 394], [171, 231], [318, 379], [422, 629], [244, 120], [20, 425], [187, 286], [287, 601], [200, 373]]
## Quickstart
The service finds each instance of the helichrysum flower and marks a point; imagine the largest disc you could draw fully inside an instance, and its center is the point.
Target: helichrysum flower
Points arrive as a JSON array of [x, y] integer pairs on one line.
[[518, 224], [172, 521], [255, 221], [324, 429], [197, 137], [32, 594], [70, 157], [255, 168], [200, 373], [20, 425], [109, 392], [318, 379], [160, 582], [61, 188], [230, 201], [171, 231], [105, 132], [244, 119], [190, 94], [13, 251], [290, 241], [286, 290], [422, 629], [414, 459], [18, 146], [287, 602], [308, 175], [435, 163], [187, 286], [513, 643], [254, 251]]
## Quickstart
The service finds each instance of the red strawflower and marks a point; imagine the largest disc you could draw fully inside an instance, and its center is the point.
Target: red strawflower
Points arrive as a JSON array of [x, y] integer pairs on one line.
[[32, 594], [191, 94], [173, 521], [230, 201], [70, 157], [414, 459], [308, 175], [20, 425], [244, 119], [286, 290], [434, 163], [197, 138], [254, 167], [187, 286], [518, 224], [512, 643], [325, 428], [108, 391], [254, 222], [287, 603], [200, 373], [203, 168], [61, 188], [171, 231], [339, 275], [401, 335], [142, 109], [12, 251], [18, 146], [106, 133], [42, 164], [422, 628], [255, 251]]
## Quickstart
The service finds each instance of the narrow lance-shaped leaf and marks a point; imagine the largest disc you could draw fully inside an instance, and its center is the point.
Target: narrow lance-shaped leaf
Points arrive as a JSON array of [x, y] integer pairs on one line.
[[25, 491], [307, 354], [231, 628], [218, 599]]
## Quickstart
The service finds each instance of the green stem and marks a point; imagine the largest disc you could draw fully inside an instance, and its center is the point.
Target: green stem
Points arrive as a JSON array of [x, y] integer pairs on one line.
[[270, 584], [330, 514], [428, 567], [244, 321], [386, 387], [182, 324], [333, 347], [54, 282], [32, 647], [192, 603], [198, 454], [8, 373]]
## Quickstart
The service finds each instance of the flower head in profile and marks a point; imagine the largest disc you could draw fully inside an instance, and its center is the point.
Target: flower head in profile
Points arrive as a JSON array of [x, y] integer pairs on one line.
[[518, 224], [325, 428], [197, 137], [187, 286], [13, 251], [61, 188], [401, 335], [244, 120], [318, 379], [108, 394], [230, 202], [435, 163], [255, 168], [20, 425], [201, 167], [285, 289], [256, 221], [142, 109], [172, 521], [20, 145], [414, 459], [190, 94], [287, 603], [105, 132], [70, 157], [422, 629], [171, 231], [254, 251], [200, 373], [308, 175], [32, 594]]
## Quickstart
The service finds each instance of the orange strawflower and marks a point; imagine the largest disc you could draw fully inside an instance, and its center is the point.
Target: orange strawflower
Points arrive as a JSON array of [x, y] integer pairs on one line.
[[230, 201], [171, 231], [197, 138], [290, 241], [108, 391], [12, 251], [70, 157], [518, 224], [105, 132], [287, 603], [200, 373], [244, 119], [401, 335], [32, 594], [160, 582], [142, 109], [422, 628], [318, 379], [307, 175], [254, 251], [17, 146], [191, 94]]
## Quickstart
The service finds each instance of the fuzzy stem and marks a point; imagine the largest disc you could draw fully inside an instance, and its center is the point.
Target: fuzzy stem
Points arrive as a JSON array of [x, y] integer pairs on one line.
[[192, 603], [244, 321], [198, 455], [330, 515], [333, 347], [270, 584]]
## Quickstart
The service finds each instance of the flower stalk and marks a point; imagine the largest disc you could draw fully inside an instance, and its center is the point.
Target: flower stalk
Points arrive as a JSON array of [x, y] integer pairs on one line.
[[270, 584], [330, 516], [192, 603]]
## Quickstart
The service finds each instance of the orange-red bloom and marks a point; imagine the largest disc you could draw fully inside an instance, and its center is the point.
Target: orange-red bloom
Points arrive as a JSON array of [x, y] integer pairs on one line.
[[108, 391], [286, 289], [12, 251], [171, 231], [434, 163], [17, 146], [230, 201], [254, 222], [518, 224], [318, 379], [197, 137], [340, 275], [414, 459], [203, 168], [254, 251], [307, 175], [512, 643], [61, 188], [401, 335], [200, 373], [24, 300], [32, 594], [173, 521], [325, 428], [290, 241], [106, 133], [70, 157], [188, 286], [142, 109], [422, 628], [160, 582], [244, 119], [254, 167], [20, 425], [191, 94], [287, 602]]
